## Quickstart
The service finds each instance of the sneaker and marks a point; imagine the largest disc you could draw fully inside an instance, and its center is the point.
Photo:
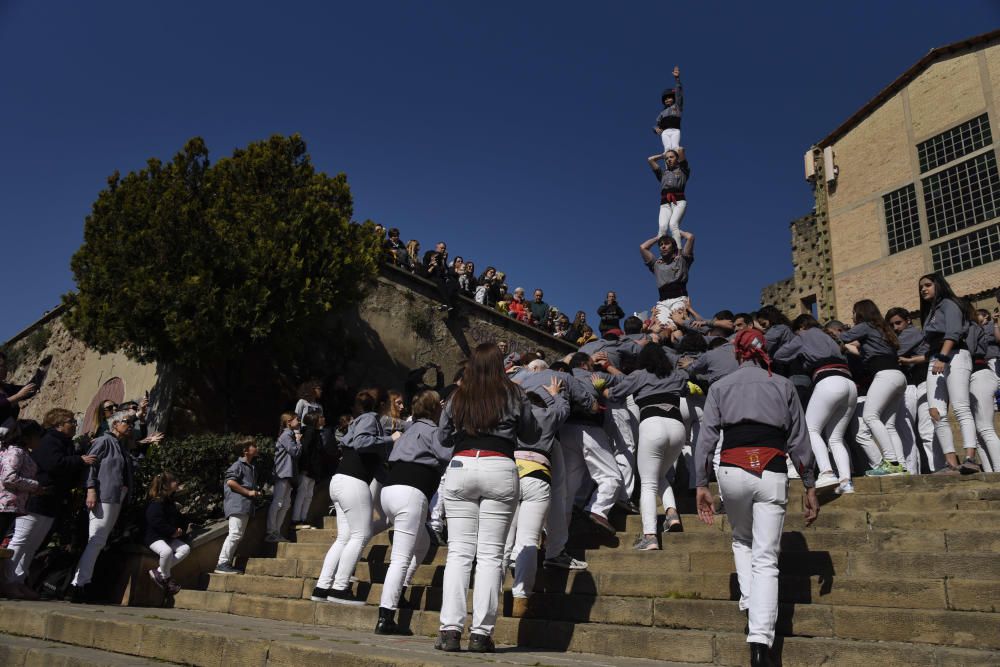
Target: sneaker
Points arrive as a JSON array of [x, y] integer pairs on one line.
[[320, 594], [646, 543], [826, 479], [969, 467], [78, 594], [846, 486], [627, 506], [881, 470], [344, 597], [272, 537], [481, 643], [158, 578], [565, 562], [226, 568], [897, 469], [601, 523], [173, 588], [946, 470], [449, 640], [672, 522], [28, 593]]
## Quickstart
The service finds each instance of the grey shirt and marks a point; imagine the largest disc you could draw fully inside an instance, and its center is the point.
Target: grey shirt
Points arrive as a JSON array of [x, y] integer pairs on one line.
[[810, 346], [244, 474], [873, 343], [112, 473], [945, 321], [580, 396], [911, 342], [549, 420], [673, 180], [641, 383], [715, 364], [517, 423], [286, 455], [672, 273], [421, 443], [365, 434], [750, 394], [775, 337]]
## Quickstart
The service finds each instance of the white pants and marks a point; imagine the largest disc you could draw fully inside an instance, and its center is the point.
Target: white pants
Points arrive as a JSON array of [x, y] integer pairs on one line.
[[660, 442], [671, 138], [480, 494], [100, 523], [622, 434], [29, 533], [756, 510], [863, 435], [560, 506], [280, 502], [669, 222], [303, 498], [590, 443], [829, 412], [881, 404], [526, 532], [911, 429], [237, 526], [406, 509], [353, 500], [982, 390], [692, 409], [952, 387], [437, 507], [170, 554]]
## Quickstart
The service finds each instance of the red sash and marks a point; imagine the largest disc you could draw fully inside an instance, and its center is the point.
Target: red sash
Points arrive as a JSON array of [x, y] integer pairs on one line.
[[752, 459]]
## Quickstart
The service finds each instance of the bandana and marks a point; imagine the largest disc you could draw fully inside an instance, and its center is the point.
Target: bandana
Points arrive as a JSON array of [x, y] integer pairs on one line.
[[750, 345]]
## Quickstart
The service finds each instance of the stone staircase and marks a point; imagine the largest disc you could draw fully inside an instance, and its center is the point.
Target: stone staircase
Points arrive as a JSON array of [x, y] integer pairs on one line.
[[904, 572]]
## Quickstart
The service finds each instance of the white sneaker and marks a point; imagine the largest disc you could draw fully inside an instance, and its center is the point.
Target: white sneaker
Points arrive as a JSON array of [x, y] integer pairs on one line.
[[844, 487], [793, 473], [826, 479]]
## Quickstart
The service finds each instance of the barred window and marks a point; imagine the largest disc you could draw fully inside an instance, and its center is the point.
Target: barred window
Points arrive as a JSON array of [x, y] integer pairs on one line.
[[968, 251], [954, 143], [901, 220], [963, 195]]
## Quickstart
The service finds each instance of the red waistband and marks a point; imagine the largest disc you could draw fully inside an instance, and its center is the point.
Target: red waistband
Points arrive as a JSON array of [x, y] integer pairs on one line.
[[671, 197], [479, 452]]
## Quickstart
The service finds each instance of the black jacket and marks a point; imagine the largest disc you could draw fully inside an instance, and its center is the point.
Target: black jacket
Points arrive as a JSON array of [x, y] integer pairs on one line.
[[162, 520], [58, 468]]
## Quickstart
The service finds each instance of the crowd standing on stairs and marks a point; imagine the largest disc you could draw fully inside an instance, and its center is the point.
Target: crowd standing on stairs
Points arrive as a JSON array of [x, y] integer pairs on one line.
[[499, 462]]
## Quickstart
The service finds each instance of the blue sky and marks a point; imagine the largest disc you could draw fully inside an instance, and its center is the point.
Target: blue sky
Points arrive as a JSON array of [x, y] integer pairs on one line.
[[517, 132]]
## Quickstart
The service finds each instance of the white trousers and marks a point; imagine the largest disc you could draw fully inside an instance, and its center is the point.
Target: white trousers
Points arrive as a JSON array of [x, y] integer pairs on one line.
[[952, 387], [590, 444], [560, 506], [881, 404], [30, 531], [170, 553], [280, 502], [526, 533], [99, 525], [828, 414], [669, 222], [671, 138], [480, 494], [303, 498], [982, 391], [756, 510], [914, 426], [405, 509], [437, 506], [237, 526], [660, 442], [692, 409], [863, 435], [623, 436], [353, 500]]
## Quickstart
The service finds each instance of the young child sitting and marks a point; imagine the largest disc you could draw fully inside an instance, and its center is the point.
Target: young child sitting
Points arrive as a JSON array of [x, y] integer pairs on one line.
[[165, 530]]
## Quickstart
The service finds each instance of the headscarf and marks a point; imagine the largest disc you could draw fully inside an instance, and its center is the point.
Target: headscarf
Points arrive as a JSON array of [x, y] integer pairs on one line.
[[750, 345]]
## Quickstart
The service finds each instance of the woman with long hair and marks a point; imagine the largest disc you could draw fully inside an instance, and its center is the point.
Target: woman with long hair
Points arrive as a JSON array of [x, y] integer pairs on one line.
[[286, 462], [834, 398], [876, 343], [392, 412], [483, 420], [413, 252], [657, 388], [946, 321]]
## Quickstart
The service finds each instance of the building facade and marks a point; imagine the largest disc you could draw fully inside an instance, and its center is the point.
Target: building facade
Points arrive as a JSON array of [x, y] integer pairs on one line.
[[907, 185]]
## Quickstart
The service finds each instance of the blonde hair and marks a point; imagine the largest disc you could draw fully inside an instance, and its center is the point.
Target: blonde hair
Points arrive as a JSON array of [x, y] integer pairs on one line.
[[286, 419], [159, 487]]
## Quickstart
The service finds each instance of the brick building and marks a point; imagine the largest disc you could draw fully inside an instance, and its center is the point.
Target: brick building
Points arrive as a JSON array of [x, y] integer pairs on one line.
[[907, 185]]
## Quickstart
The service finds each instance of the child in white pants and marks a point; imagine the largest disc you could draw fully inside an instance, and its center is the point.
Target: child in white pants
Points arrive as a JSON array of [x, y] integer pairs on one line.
[[165, 531], [239, 491]]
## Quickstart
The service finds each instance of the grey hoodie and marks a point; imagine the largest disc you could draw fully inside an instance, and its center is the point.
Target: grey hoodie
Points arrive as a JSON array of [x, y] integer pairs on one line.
[[750, 394]]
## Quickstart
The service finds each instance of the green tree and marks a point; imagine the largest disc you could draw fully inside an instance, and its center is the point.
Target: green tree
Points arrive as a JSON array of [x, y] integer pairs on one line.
[[193, 263]]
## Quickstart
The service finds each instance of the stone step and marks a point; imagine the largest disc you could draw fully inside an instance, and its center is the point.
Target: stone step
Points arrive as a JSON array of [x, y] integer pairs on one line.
[[30, 652], [196, 637], [903, 643]]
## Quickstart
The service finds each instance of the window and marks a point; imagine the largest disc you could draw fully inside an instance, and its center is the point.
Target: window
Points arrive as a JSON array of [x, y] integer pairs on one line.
[[963, 195], [968, 251], [901, 220], [810, 305], [955, 143]]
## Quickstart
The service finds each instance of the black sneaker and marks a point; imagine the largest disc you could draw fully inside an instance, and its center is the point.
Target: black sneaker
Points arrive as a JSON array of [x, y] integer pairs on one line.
[[449, 640], [481, 643], [78, 595], [320, 594], [158, 578], [226, 568], [386, 624], [173, 588], [344, 597], [969, 467], [565, 562]]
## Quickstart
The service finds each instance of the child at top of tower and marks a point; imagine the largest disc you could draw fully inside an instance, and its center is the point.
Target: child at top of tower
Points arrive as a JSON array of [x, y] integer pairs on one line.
[[668, 122]]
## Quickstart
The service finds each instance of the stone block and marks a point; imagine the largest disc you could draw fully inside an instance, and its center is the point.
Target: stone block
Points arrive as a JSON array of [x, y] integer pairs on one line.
[[949, 628], [70, 629], [284, 587], [204, 601], [21, 620], [273, 567], [296, 611], [969, 595], [118, 637]]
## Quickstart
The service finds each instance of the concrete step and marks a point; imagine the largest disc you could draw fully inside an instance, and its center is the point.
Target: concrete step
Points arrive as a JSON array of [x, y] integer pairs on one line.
[[195, 637], [624, 641], [31, 652]]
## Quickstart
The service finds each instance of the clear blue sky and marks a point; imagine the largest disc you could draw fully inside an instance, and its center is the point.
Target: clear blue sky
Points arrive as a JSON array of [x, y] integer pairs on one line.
[[517, 131]]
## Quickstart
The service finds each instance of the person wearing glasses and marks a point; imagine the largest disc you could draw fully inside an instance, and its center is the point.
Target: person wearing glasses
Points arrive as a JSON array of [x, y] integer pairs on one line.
[[102, 413], [59, 468], [671, 269]]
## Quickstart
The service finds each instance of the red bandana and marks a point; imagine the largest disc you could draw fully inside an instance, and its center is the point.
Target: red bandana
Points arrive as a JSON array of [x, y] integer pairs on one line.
[[750, 344]]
